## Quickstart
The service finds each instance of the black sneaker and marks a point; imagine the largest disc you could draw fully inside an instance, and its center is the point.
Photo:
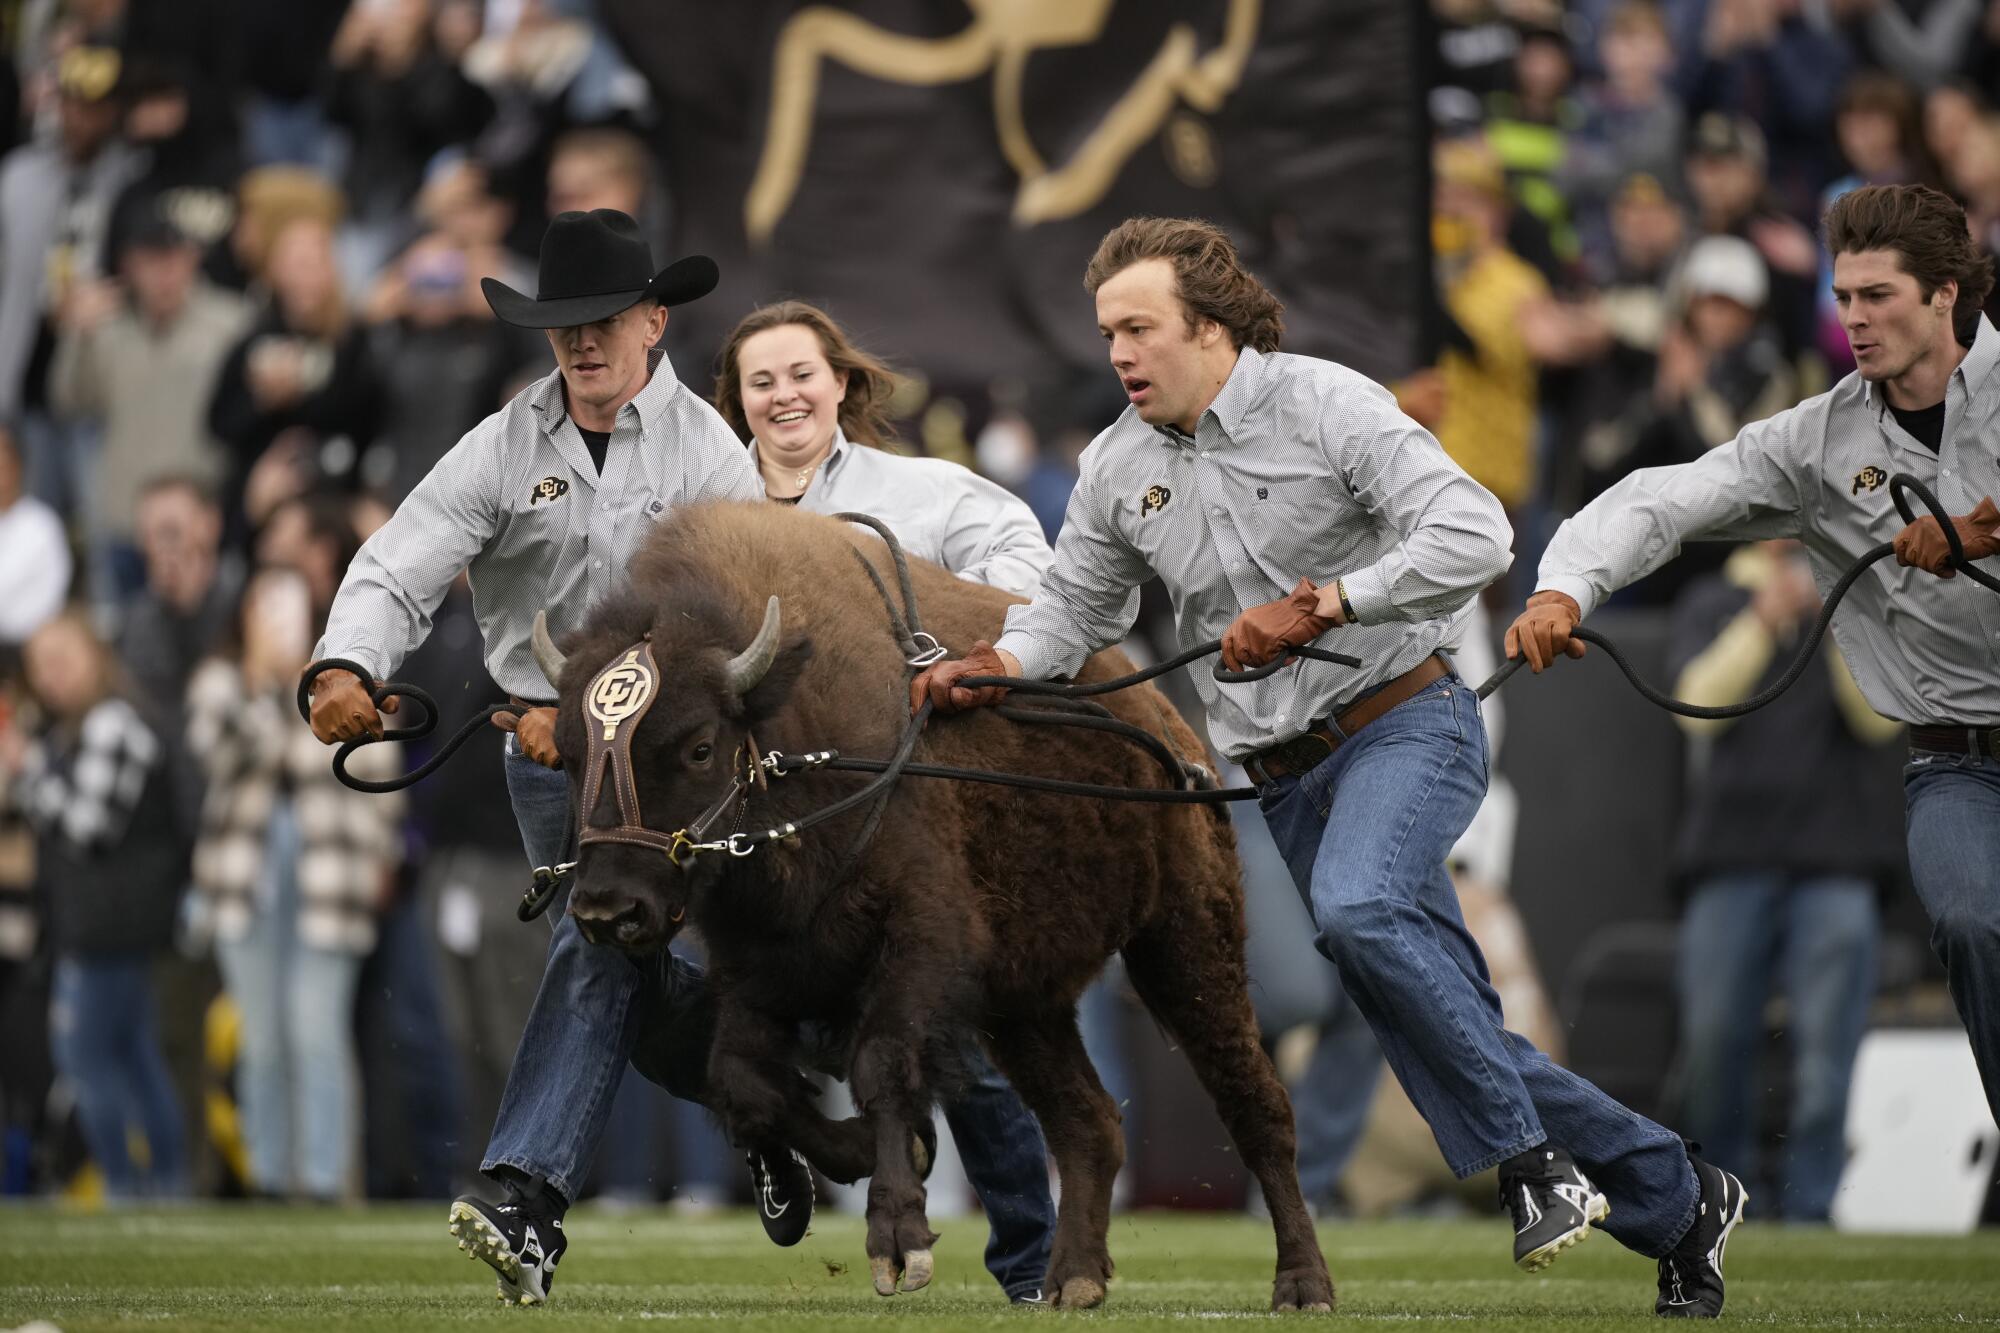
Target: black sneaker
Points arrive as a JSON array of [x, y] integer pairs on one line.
[[1552, 1202], [784, 1186], [1691, 1274], [521, 1237]]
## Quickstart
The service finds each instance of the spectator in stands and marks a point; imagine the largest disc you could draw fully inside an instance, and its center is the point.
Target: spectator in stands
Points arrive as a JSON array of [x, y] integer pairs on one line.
[[1528, 129], [111, 862], [1792, 830], [34, 553], [1726, 175], [1514, 322], [1631, 123], [317, 534], [182, 614], [1781, 66], [605, 167], [1922, 42], [54, 199], [299, 390], [402, 101], [442, 358], [140, 360], [192, 158], [293, 868], [1720, 368]]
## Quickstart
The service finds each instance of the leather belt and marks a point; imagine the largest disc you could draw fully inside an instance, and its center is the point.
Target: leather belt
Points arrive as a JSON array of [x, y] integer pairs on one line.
[[1957, 738], [1307, 751]]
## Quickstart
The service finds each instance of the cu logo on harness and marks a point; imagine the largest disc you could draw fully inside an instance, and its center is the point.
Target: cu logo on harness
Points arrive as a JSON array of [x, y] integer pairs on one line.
[[550, 489], [1868, 479], [619, 691], [1155, 499]]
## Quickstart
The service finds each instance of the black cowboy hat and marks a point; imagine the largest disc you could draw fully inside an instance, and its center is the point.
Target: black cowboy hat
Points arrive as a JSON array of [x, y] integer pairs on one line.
[[594, 265]]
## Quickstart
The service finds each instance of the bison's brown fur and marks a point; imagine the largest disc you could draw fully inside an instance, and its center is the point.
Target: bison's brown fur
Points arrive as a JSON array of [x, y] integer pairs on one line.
[[974, 908]]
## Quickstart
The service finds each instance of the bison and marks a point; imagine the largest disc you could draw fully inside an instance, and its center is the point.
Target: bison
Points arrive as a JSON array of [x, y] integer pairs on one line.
[[972, 910]]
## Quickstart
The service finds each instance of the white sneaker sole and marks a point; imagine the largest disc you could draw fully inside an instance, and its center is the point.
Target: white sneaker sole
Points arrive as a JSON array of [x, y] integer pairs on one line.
[[1596, 1209], [481, 1240]]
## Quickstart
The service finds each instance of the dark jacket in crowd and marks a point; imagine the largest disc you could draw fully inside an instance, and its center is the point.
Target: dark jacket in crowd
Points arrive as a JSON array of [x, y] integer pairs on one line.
[[1792, 786], [111, 853], [342, 399]]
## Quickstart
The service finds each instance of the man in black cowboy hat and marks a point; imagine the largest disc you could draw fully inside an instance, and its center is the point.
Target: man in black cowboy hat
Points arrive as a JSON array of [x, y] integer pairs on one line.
[[543, 505]]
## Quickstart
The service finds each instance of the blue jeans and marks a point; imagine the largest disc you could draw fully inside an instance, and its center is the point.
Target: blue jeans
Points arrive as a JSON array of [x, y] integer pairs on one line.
[[1365, 835], [101, 1035], [296, 1077], [595, 1004], [1953, 803], [1818, 936]]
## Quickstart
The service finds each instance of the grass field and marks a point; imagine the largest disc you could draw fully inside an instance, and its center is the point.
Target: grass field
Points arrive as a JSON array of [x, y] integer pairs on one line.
[[395, 1269]]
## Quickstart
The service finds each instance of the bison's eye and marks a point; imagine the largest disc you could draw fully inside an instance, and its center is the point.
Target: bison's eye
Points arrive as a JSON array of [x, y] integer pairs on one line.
[[700, 754]]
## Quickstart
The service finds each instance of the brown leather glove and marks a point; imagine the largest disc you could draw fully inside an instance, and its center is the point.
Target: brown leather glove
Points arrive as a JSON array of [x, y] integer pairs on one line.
[[342, 710], [1923, 543], [1263, 633], [537, 730], [1543, 630], [939, 682]]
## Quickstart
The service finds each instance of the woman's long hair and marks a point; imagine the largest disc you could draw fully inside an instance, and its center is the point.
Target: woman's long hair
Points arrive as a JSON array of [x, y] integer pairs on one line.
[[864, 414]]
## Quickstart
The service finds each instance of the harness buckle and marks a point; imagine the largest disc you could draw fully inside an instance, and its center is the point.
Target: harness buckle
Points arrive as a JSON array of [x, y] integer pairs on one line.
[[924, 657], [739, 844]]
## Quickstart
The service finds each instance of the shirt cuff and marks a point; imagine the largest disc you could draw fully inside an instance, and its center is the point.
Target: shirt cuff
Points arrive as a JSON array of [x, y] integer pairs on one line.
[[1034, 663], [1576, 589], [361, 657], [1368, 594]]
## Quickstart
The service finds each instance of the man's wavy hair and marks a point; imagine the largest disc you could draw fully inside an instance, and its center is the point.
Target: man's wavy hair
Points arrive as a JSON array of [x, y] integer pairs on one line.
[[1212, 281], [1926, 230]]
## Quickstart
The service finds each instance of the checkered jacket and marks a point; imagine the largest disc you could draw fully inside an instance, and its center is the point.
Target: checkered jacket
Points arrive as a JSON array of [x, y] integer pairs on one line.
[[255, 753]]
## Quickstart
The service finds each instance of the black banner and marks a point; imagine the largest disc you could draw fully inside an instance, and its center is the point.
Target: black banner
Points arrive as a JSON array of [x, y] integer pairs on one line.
[[937, 172]]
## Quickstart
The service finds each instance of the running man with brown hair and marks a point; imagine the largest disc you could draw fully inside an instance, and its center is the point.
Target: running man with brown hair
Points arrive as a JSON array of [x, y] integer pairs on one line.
[[1281, 498]]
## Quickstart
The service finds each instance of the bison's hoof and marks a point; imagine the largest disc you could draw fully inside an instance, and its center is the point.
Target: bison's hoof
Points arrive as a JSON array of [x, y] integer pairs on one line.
[[917, 1266], [1310, 1292], [885, 1275], [1081, 1293]]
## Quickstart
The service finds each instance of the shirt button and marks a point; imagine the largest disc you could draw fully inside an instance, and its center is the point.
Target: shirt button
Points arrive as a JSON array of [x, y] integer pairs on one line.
[[597, 564], [607, 506], [1216, 509]]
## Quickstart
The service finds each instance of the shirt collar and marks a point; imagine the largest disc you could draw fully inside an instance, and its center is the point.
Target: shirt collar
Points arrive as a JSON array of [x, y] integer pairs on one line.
[[646, 405], [1973, 368], [834, 455], [1232, 400]]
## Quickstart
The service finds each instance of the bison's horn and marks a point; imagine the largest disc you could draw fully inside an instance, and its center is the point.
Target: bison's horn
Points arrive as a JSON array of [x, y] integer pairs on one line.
[[748, 667], [547, 656]]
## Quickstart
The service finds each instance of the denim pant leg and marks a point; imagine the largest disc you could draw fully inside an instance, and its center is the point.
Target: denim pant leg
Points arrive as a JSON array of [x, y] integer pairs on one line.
[[1831, 944], [319, 1049], [582, 1028], [1000, 1142], [150, 1085], [252, 967], [1728, 940], [1389, 804], [84, 1039], [1954, 815]]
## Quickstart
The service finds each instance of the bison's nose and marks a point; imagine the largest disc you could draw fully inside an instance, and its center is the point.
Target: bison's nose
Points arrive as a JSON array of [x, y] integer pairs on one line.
[[623, 926]]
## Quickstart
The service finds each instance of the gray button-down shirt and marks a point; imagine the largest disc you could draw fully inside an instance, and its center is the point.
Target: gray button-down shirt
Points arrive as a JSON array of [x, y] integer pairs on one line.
[[938, 510], [518, 505], [1300, 467], [1922, 649]]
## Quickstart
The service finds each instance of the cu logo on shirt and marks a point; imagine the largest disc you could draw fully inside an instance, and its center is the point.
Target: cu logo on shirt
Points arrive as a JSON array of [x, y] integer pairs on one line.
[[1156, 498], [1868, 479], [550, 489]]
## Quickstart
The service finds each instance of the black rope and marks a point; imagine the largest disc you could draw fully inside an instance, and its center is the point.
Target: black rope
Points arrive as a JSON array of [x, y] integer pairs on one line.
[[1073, 690], [1169, 762], [1898, 484], [833, 759], [400, 690]]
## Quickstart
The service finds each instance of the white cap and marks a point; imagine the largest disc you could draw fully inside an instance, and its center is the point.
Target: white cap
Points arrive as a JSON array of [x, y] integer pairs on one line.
[[1726, 266]]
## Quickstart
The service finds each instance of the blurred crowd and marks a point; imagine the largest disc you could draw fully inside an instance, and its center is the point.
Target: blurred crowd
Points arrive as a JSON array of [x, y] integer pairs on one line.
[[241, 248]]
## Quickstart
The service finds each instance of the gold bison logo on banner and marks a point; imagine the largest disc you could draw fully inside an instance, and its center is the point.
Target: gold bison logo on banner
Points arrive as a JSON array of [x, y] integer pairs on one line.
[[1001, 37]]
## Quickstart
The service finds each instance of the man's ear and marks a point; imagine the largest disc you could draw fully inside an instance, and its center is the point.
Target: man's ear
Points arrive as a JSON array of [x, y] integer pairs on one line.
[[768, 695]]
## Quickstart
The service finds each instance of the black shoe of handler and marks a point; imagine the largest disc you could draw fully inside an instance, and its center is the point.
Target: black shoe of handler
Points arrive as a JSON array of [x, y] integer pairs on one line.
[[521, 1237], [1691, 1273], [1552, 1202], [784, 1188]]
